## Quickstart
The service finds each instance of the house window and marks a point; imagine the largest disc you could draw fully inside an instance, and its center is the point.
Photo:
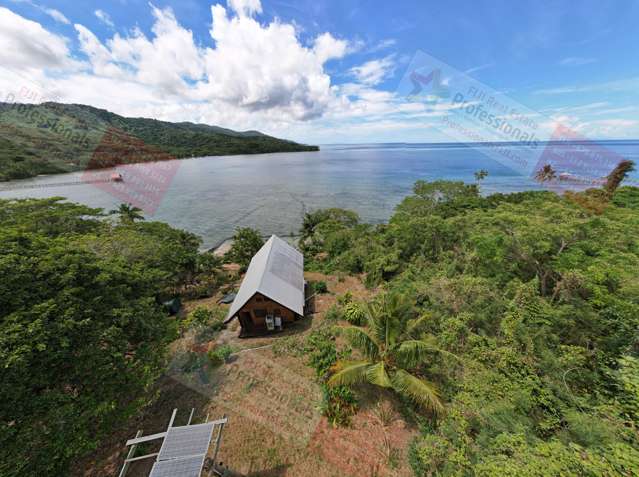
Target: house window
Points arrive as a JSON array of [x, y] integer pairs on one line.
[[259, 313]]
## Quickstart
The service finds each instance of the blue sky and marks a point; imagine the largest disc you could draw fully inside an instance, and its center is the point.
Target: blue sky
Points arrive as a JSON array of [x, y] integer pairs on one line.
[[323, 71]]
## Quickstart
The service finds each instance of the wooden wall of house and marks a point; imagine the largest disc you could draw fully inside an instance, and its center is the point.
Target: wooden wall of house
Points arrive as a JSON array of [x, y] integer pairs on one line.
[[260, 302]]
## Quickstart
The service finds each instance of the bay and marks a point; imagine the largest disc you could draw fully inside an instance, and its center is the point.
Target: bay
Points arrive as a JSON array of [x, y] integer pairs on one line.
[[212, 196]]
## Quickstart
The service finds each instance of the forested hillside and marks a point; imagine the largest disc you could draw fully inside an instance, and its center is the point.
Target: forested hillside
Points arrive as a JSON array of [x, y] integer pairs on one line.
[[53, 137], [508, 324], [83, 333]]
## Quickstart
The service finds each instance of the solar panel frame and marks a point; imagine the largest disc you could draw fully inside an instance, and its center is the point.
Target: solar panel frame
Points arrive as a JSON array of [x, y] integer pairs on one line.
[[185, 467], [186, 441]]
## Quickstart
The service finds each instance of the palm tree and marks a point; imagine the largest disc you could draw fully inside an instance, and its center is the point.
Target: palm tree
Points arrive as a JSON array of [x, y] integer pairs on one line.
[[546, 174], [128, 213], [617, 175], [480, 175], [390, 351]]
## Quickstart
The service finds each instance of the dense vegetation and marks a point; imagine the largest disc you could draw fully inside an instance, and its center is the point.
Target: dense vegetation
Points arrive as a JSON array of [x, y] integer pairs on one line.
[[52, 137], [246, 243], [82, 329], [530, 305]]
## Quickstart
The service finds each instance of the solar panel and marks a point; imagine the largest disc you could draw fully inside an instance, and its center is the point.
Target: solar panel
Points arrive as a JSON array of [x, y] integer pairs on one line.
[[184, 441], [187, 467]]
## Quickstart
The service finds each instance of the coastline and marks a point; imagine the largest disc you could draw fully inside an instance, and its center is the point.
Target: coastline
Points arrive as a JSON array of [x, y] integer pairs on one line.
[[225, 245]]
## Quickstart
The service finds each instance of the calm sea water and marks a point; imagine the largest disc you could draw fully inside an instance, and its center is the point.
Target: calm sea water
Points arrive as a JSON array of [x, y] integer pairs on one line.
[[211, 196]]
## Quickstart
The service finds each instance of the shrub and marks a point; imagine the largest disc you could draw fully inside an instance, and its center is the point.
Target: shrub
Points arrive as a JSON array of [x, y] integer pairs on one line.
[[246, 243], [334, 313], [354, 313], [338, 404], [320, 287], [345, 298], [428, 454], [220, 354], [198, 317], [205, 321], [320, 346]]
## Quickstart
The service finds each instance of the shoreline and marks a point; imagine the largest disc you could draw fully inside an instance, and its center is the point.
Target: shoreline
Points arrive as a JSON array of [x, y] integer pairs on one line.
[[224, 245]]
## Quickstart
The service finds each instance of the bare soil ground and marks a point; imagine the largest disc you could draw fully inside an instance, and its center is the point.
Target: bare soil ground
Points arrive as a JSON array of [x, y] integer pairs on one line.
[[271, 400]]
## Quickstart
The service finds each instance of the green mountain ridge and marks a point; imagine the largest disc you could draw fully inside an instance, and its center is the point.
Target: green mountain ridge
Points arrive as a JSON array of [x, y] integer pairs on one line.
[[51, 138]]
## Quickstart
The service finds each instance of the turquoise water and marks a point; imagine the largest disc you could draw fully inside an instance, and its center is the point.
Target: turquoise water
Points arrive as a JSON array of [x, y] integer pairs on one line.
[[211, 196]]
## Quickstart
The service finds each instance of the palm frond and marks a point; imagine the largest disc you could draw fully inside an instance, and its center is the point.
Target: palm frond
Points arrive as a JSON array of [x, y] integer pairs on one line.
[[376, 374], [363, 340], [413, 326], [374, 321], [349, 372], [418, 390], [413, 352]]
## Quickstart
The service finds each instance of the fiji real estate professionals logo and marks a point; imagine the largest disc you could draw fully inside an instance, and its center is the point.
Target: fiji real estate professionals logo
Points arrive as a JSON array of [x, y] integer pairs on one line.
[[429, 88]]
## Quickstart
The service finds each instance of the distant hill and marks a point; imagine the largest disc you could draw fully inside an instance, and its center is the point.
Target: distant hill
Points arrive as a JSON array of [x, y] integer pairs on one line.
[[53, 138]]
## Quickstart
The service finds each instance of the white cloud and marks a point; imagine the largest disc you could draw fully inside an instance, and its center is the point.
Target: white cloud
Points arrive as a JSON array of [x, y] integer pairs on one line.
[[27, 45], [475, 69], [383, 45], [576, 61], [255, 76], [104, 17], [247, 8], [248, 75], [326, 47], [266, 68], [375, 71], [57, 15]]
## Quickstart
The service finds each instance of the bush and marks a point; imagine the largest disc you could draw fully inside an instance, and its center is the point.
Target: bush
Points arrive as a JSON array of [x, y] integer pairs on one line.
[[320, 346], [205, 321], [198, 317], [246, 243], [354, 313], [345, 298], [338, 404], [334, 313], [220, 355], [320, 287], [428, 454]]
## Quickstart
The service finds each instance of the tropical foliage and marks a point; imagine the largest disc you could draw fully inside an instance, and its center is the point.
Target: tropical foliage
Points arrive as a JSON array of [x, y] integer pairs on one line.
[[391, 350], [246, 243], [534, 293], [82, 331], [338, 402], [128, 213]]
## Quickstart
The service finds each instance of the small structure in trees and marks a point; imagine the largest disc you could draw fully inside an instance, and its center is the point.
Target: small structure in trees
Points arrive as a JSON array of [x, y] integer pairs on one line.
[[272, 292]]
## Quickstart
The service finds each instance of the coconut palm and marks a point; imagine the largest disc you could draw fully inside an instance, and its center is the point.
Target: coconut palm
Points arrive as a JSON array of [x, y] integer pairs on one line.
[[617, 175], [546, 174], [480, 175], [128, 213], [391, 352]]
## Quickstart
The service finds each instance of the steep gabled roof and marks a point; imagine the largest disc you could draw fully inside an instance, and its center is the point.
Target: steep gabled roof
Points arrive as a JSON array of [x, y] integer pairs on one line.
[[277, 272]]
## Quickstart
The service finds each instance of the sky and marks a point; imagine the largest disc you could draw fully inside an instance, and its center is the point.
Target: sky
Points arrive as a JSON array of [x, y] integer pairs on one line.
[[323, 71]]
